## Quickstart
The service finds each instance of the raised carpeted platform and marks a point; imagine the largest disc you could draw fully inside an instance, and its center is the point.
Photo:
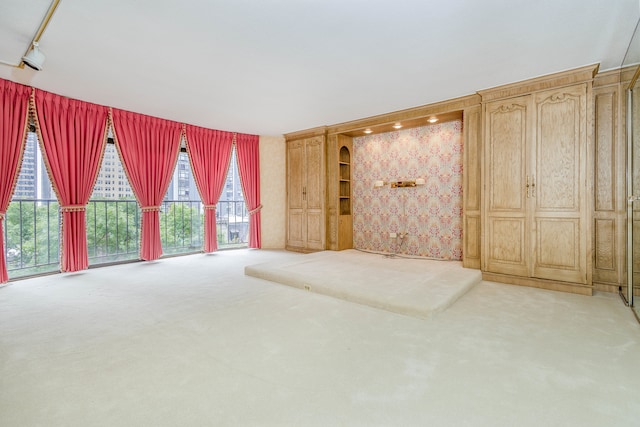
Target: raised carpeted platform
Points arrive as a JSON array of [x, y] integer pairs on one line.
[[413, 287]]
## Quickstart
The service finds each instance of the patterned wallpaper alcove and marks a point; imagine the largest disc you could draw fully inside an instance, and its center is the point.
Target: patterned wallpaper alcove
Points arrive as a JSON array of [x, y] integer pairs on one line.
[[431, 214]]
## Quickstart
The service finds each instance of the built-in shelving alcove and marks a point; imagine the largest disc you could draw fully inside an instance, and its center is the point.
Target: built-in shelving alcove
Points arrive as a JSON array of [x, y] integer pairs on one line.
[[344, 165]]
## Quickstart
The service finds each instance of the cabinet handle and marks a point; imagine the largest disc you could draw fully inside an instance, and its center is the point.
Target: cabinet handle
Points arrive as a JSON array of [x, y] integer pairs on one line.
[[304, 193], [528, 187], [533, 186]]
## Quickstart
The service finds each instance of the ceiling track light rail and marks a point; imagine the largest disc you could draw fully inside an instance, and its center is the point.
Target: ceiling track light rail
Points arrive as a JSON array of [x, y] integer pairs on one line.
[[33, 56]]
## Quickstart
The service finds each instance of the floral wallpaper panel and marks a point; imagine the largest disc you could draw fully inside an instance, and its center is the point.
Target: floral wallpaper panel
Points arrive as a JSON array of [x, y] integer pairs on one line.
[[431, 214]]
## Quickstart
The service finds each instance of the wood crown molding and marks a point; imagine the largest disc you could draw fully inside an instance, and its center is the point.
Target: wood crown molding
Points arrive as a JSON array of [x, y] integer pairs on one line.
[[563, 78], [614, 77], [414, 114], [634, 78], [307, 133]]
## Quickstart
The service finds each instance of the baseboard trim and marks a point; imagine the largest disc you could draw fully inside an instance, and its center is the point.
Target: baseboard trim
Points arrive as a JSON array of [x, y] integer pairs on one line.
[[299, 249], [605, 287], [552, 285]]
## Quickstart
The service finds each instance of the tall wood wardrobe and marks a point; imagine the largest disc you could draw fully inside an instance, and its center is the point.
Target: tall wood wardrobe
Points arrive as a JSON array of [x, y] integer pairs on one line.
[[319, 191], [537, 196]]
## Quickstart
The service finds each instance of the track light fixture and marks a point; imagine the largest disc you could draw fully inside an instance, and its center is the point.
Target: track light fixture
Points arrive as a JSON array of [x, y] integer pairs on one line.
[[35, 58]]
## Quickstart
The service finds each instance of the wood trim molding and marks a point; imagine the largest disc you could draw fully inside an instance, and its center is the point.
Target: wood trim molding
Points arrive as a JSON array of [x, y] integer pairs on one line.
[[607, 78], [551, 285], [605, 287], [307, 133], [550, 81], [454, 106], [634, 79], [614, 77]]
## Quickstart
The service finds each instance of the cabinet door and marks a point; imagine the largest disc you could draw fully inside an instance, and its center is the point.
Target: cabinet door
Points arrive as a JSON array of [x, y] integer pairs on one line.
[[507, 129], [314, 193], [295, 198], [559, 214]]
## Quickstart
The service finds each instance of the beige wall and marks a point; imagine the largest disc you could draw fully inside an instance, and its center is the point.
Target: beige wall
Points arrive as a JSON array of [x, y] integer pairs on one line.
[[273, 191]]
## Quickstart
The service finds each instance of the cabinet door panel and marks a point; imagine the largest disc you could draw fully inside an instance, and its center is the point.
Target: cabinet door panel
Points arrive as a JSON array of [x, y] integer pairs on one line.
[[559, 152], [557, 244], [295, 166], [315, 229], [314, 173], [507, 129], [296, 224], [559, 198], [507, 249], [296, 228], [507, 151]]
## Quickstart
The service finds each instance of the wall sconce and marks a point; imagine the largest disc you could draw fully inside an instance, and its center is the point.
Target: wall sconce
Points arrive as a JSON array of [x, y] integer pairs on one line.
[[400, 184]]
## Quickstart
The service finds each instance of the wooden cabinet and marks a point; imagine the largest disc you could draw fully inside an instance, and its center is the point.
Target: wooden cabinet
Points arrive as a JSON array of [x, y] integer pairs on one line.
[[536, 199], [306, 194], [319, 191]]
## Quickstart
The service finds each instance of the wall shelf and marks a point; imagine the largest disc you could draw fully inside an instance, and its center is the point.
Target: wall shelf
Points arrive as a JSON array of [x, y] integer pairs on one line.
[[345, 181]]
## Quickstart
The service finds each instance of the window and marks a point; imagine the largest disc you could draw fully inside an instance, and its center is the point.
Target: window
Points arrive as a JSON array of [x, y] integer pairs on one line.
[[31, 227], [113, 215]]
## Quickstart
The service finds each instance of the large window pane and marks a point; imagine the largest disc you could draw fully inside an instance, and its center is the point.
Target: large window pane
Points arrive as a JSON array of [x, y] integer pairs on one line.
[[181, 214], [113, 215], [32, 224], [231, 212]]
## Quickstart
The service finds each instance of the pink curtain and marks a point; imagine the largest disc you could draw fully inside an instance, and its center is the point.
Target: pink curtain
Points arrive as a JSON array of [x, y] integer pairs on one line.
[[14, 110], [209, 151], [249, 168], [73, 135], [149, 149]]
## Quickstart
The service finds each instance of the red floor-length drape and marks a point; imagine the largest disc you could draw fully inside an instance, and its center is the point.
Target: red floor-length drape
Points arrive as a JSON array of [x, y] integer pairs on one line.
[[73, 135], [247, 151], [14, 110], [149, 148], [209, 151]]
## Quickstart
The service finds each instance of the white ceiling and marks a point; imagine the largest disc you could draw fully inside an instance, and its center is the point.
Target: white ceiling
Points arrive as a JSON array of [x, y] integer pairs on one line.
[[274, 66]]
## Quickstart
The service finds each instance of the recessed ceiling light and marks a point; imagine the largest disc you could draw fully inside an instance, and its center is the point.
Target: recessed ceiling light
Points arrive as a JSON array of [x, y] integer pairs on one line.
[[432, 119], [368, 131], [397, 126]]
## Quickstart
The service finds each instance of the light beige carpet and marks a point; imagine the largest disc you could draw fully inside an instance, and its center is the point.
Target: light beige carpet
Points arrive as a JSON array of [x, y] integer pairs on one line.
[[413, 287], [192, 341]]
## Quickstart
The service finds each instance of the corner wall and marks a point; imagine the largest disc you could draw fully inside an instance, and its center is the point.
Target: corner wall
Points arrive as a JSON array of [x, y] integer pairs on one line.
[[273, 191]]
